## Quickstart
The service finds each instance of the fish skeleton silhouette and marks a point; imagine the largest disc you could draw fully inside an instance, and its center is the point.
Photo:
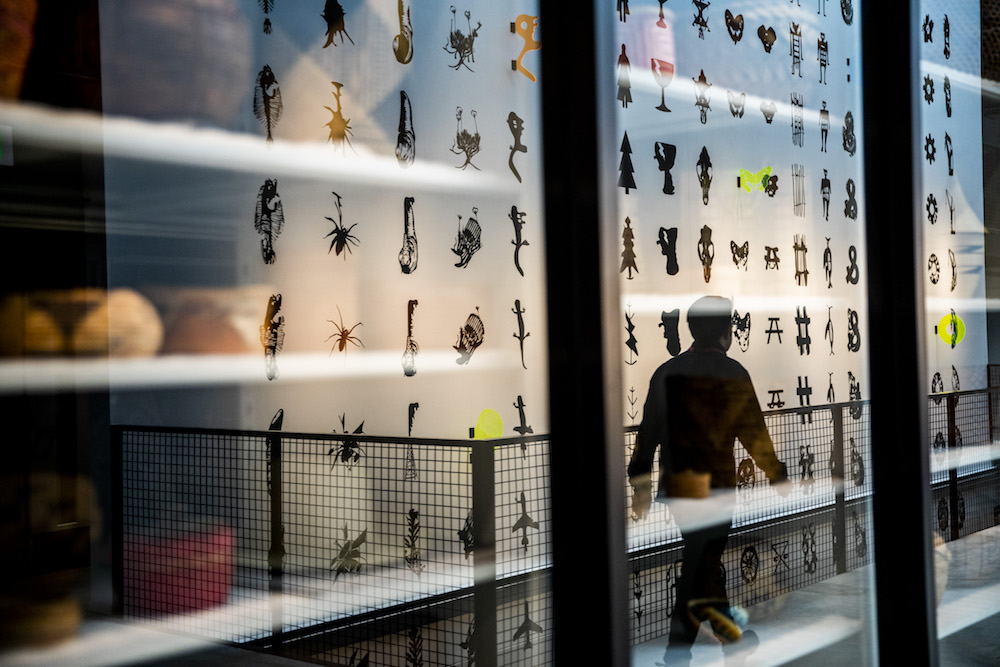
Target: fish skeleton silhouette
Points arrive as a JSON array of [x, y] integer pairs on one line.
[[470, 337], [267, 101], [411, 349], [272, 335], [467, 242], [269, 218], [408, 253], [333, 14]]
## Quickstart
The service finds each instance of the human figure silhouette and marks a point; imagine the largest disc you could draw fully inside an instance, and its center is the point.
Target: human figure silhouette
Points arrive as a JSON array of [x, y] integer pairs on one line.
[[697, 405]]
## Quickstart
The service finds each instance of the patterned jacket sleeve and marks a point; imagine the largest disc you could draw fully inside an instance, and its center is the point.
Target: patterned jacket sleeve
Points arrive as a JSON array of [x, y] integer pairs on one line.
[[756, 439], [651, 431]]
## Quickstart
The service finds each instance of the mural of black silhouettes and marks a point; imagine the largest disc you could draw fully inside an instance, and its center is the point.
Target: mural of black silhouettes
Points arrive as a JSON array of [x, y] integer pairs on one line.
[[772, 185], [954, 269], [928, 28], [741, 253], [937, 385], [934, 269], [847, 11], [526, 628], [947, 95], [628, 251], [524, 522], [806, 462], [631, 343], [850, 141], [516, 125], [632, 400], [851, 203], [467, 535], [410, 349], [410, 471], [667, 241], [408, 253], [799, 190], [334, 15], [828, 333], [857, 464], [860, 539], [704, 170], [700, 20], [771, 259], [268, 218], [831, 395], [737, 103], [340, 127], [824, 126], [406, 138], [411, 543], [798, 127], [741, 330], [951, 154], [469, 645], [795, 47], [853, 334], [804, 392], [272, 335], [803, 339], [823, 56], [930, 150], [623, 11], [734, 24], [746, 479], [347, 452], [768, 108], [637, 595], [801, 270], [468, 239], [267, 101], [521, 333], [951, 209], [517, 217], [952, 328], [853, 273], [669, 322], [470, 337], [928, 88], [749, 180], [663, 74], [824, 191], [809, 557], [775, 402], [342, 335], [932, 208], [947, 37], [780, 551], [774, 329], [828, 264], [706, 251], [626, 178], [266, 6], [749, 565], [465, 144], [624, 79], [342, 238], [665, 154], [402, 44], [956, 385], [524, 26], [524, 428], [702, 99], [854, 395], [767, 37], [414, 647], [349, 558], [462, 47]]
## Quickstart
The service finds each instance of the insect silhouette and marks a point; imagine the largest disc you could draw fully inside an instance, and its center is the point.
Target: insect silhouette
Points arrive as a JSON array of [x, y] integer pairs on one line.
[[267, 6], [340, 127], [406, 138], [267, 101], [272, 335], [334, 15], [517, 217], [349, 558], [467, 242], [268, 218], [465, 143], [348, 452], [342, 238], [522, 334], [461, 46], [343, 335], [470, 337]]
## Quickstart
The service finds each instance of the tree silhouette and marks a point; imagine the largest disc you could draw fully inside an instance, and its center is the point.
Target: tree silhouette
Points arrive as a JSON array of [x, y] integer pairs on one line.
[[627, 179], [628, 254]]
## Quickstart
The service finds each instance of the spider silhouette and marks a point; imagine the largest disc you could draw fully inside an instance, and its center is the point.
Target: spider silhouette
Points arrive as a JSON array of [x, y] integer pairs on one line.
[[343, 335], [342, 238]]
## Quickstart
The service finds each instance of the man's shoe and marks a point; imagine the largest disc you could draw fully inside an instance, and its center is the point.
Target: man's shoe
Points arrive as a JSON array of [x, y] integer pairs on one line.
[[719, 615]]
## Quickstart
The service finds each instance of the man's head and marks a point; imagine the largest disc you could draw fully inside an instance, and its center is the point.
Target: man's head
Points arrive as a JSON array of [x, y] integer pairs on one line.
[[710, 321]]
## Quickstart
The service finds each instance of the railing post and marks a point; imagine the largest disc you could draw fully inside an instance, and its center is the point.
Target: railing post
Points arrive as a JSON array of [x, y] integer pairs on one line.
[[952, 469], [484, 554], [276, 553], [840, 503], [117, 522]]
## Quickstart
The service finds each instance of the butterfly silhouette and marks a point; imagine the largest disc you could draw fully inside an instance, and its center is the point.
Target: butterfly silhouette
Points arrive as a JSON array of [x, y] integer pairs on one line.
[[736, 103], [734, 24], [759, 180]]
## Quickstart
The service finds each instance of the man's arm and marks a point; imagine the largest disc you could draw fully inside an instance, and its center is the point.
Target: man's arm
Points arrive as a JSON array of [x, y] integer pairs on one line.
[[640, 467], [756, 439]]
